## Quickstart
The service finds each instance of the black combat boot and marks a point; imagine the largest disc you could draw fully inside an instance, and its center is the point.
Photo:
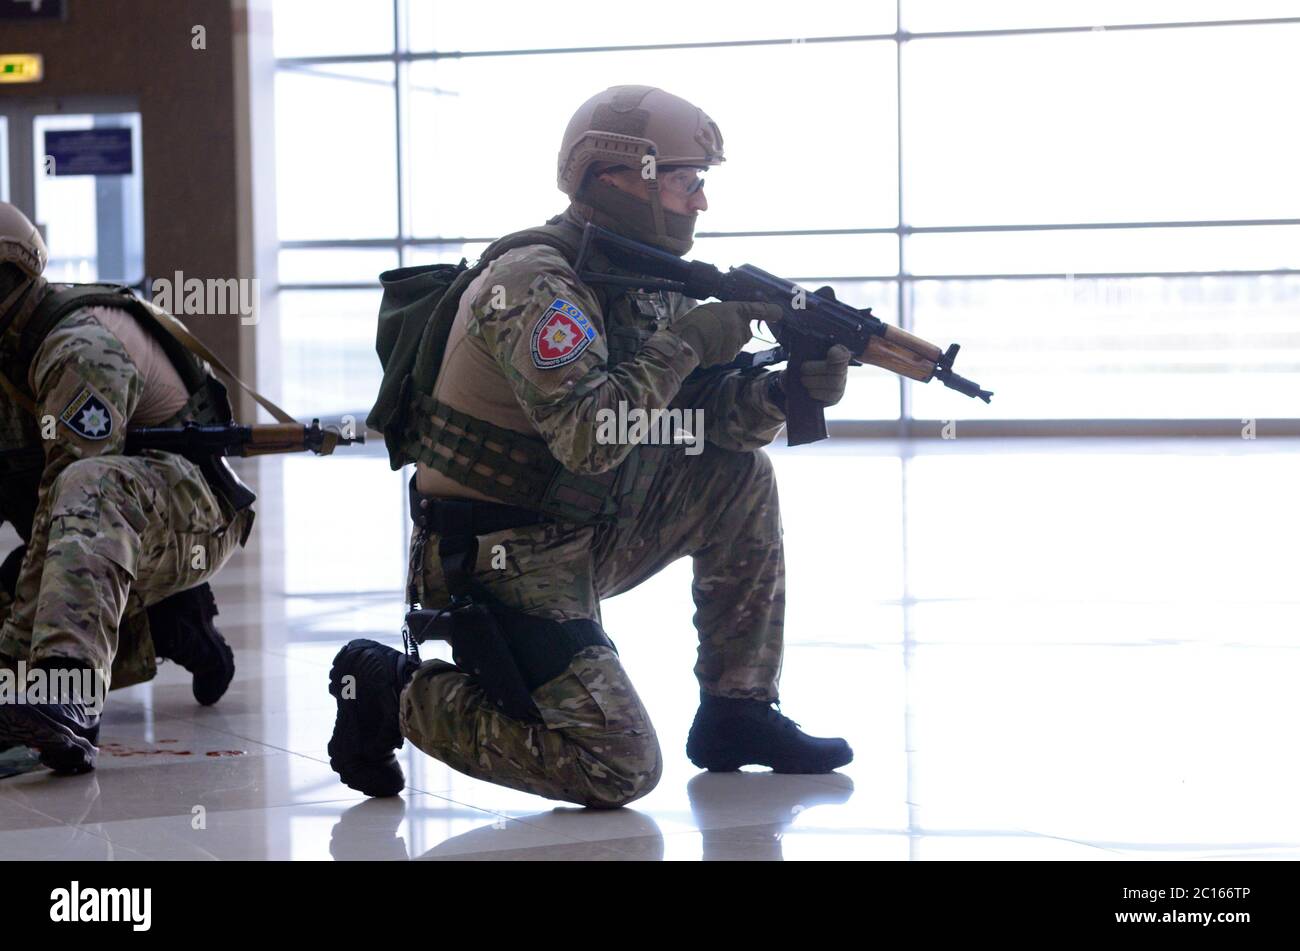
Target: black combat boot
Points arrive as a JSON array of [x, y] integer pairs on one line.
[[730, 733], [367, 680], [182, 631], [65, 733]]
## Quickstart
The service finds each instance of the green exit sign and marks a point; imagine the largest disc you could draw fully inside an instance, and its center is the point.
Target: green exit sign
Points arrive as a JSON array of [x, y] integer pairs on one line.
[[21, 68]]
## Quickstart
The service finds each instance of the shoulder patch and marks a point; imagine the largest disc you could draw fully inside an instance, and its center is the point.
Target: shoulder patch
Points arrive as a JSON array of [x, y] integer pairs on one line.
[[561, 334], [88, 416]]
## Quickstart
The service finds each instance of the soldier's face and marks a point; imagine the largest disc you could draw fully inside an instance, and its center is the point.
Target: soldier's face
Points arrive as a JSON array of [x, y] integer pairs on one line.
[[681, 189]]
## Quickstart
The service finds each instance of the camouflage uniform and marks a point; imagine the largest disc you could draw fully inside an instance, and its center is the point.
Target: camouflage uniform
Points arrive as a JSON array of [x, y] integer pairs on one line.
[[597, 745], [112, 533]]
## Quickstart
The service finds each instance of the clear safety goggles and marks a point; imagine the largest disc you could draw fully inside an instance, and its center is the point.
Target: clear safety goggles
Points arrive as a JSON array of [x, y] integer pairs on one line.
[[682, 181]]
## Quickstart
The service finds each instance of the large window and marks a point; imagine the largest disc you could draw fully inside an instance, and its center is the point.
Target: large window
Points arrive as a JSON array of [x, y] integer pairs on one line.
[[1107, 218]]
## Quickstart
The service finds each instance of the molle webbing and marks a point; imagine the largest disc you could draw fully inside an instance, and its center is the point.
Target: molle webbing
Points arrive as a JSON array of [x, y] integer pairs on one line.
[[506, 465]]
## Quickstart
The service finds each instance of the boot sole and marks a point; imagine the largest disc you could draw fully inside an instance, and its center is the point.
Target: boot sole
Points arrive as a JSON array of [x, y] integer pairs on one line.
[[62, 750], [351, 765], [727, 762], [714, 762], [828, 766]]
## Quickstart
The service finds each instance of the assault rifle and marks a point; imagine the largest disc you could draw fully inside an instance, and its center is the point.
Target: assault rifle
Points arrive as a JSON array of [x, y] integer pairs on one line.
[[811, 323], [207, 446]]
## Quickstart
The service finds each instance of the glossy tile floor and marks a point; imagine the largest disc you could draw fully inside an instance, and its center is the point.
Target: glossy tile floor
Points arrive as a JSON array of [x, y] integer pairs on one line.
[[1038, 649]]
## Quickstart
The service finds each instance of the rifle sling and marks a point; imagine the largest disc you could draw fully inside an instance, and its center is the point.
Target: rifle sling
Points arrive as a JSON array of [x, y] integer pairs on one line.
[[197, 347]]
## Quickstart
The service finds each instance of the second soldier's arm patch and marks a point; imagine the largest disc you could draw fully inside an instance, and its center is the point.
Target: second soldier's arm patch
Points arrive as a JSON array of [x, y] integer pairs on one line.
[[88, 415], [561, 334]]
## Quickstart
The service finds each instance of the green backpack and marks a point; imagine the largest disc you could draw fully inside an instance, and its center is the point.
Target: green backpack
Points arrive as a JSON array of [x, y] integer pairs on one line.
[[415, 318]]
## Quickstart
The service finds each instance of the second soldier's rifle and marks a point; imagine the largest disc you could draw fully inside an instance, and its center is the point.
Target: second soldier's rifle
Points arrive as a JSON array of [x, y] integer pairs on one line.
[[207, 446], [810, 323]]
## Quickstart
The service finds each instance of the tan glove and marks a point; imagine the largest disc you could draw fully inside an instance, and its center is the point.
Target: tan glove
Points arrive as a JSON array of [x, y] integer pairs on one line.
[[717, 332], [825, 379]]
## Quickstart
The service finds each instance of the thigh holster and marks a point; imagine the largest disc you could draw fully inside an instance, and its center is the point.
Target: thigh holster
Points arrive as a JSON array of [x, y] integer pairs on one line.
[[507, 652]]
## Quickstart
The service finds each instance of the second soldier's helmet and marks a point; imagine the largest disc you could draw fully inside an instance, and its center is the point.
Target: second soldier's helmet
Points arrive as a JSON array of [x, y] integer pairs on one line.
[[20, 241], [22, 260], [638, 127]]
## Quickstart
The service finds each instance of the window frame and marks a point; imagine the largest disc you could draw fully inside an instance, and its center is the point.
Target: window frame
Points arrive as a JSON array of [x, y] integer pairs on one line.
[[404, 244]]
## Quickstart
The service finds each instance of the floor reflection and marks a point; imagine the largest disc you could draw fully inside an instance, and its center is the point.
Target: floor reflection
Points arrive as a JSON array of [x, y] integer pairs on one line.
[[1037, 649]]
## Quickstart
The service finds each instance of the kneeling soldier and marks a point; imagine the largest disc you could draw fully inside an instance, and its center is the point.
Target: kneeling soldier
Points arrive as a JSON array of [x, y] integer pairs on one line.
[[118, 548], [525, 509]]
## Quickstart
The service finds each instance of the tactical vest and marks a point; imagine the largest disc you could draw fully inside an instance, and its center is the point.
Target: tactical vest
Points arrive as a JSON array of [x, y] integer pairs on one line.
[[208, 401], [512, 467]]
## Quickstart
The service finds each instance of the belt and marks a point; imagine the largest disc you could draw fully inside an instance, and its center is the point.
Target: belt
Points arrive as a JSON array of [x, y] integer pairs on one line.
[[467, 516], [458, 523]]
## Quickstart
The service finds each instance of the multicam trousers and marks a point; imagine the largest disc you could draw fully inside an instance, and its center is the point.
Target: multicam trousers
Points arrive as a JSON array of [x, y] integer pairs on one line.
[[121, 531], [596, 745]]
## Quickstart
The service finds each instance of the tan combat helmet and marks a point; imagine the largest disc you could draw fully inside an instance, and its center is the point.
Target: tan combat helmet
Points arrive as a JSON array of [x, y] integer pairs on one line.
[[20, 241], [626, 126], [21, 245]]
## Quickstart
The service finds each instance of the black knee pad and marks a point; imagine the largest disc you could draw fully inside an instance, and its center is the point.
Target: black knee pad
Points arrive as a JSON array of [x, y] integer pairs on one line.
[[508, 653]]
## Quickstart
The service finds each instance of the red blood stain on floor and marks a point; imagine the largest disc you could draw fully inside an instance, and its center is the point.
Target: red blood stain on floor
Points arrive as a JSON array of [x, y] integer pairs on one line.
[[118, 749]]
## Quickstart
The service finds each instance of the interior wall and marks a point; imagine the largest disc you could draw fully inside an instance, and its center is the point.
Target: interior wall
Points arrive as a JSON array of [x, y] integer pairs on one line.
[[146, 49]]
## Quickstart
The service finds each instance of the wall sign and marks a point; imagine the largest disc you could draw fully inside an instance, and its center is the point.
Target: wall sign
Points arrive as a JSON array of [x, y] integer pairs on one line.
[[33, 9], [89, 151]]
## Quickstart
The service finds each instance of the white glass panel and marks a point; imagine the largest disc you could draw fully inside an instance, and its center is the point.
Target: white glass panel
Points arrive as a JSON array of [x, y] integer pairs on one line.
[[1105, 251], [305, 266], [365, 499], [809, 133], [526, 24], [94, 224], [333, 27], [327, 343], [444, 253], [1157, 348], [800, 257], [336, 152], [925, 15], [1151, 125]]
